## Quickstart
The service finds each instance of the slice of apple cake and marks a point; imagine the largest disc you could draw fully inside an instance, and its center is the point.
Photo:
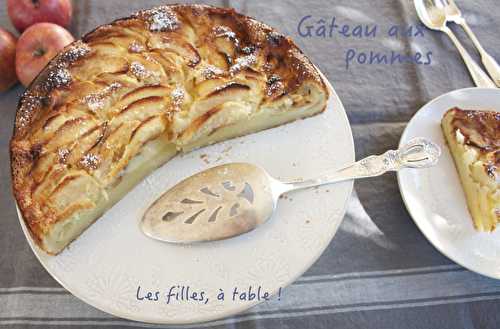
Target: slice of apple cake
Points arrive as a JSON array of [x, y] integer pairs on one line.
[[474, 141]]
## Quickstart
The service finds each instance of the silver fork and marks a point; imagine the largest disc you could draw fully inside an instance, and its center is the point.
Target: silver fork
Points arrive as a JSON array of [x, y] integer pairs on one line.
[[453, 14], [433, 14]]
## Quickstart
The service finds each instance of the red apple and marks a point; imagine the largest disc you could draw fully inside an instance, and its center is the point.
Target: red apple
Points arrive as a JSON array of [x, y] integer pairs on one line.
[[25, 13], [7, 60], [36, 47]]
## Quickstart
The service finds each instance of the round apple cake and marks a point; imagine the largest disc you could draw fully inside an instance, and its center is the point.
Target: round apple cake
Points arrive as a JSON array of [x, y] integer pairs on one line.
[[130, 95]]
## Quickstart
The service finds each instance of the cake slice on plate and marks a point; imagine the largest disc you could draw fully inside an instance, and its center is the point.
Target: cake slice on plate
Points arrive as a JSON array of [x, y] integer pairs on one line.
[[474, 141], [130, 95]]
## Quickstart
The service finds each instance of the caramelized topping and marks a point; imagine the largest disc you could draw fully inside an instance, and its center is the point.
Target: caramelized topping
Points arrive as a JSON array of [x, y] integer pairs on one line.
[[480, 128], [227, 88]]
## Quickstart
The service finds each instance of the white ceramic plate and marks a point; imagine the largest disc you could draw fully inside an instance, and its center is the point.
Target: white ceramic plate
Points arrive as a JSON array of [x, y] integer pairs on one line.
[[434, 196], [105, 266]]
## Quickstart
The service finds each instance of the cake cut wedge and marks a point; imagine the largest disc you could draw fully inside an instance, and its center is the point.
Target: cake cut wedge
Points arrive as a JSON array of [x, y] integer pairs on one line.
[[130, 95], [473, 138]]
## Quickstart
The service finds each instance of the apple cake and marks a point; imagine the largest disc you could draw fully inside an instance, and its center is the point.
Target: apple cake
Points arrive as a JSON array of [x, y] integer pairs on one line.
[[130, 95], [474, 141]]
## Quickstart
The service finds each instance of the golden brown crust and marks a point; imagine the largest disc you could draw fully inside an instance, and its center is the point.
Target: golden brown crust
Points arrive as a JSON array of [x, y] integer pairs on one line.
[[230, 45], [480, 128]]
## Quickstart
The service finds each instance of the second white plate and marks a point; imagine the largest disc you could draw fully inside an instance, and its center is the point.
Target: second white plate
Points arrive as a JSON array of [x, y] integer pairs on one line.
[[434, 196]]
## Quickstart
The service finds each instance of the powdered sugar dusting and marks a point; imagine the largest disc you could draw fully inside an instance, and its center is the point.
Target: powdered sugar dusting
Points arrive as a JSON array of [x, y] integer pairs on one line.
[[29, 103], [274, 38], [139, 70], [242, 62], [95, 101], [275, 88], [136, 47], [58, 74], [78, 50], [62, 154], [160, 19], [248, 49], [224, 31], [178, 95], [211, 71], [90, 161], [57, 77], [112, 87]]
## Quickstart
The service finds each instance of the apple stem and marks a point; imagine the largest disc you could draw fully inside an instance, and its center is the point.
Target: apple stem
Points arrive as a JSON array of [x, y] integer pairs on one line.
[[39, 52], [36, 3]]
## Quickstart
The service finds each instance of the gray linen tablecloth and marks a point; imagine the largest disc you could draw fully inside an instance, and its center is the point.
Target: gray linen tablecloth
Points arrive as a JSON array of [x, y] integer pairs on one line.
[[380, 270]]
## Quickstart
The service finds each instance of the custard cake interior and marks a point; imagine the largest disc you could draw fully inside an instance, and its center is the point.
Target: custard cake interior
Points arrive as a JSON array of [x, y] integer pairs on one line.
[[130, 95]]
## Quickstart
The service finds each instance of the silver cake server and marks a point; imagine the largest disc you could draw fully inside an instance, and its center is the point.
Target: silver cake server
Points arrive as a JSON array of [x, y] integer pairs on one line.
[[235, 198]]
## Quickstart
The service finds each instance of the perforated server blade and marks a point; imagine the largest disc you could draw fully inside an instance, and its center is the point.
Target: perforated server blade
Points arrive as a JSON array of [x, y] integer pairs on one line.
[[235, 198]]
